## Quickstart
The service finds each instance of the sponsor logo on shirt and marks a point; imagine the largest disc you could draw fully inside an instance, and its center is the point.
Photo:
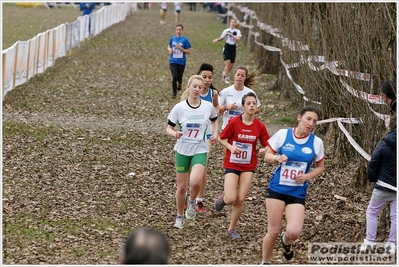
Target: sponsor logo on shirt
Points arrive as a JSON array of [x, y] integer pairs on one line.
[[307, 150], [289, 147], [195, 117], [246, 137]]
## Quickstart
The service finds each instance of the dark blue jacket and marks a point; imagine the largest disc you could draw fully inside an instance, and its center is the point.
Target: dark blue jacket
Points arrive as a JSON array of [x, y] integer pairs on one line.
[[382, 165], [87, 10]]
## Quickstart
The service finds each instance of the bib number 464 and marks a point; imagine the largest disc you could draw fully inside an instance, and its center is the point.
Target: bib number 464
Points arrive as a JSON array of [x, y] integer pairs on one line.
[[291, 174]]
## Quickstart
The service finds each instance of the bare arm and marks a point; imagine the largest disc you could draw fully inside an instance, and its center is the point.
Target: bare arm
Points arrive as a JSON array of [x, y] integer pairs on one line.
[[300, 178], [185, 51], [215, 129], [233, 149], [216, 101], [172, 133], [217, 40]]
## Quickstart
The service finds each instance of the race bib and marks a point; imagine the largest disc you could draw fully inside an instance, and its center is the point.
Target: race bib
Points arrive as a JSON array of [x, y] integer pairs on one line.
[[245, 156], [192, 133], [177, 53], [289, 170], [234, 113]]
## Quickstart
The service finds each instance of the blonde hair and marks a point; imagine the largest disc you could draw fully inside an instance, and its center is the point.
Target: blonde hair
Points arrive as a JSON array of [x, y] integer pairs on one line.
[[186, 92]]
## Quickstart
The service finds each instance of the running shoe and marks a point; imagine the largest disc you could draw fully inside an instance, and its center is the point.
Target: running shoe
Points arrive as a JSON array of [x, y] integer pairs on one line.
[[233, 234], [367, 245], [190, 212], [227, 80], [390, 248], [219, 204], [287, 249], [179, 222], [199, 207]]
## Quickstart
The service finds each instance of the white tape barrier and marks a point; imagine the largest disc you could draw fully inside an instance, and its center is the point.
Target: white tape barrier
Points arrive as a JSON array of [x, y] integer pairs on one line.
[[373, 99], [348, 136], [350, 139], [332, 66], [353, 142]]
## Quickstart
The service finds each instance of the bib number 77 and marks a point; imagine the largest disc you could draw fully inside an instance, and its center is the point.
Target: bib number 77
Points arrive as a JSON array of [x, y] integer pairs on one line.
[[191, 134]]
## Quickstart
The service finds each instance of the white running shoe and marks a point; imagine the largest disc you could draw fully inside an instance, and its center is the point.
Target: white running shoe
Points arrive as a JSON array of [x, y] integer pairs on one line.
[[367, 245], [227, 81], [179, 222], [390, 248], [190, 211]]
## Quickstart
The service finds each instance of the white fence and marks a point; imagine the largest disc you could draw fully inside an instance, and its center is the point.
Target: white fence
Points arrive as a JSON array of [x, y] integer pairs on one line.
[[25, 59]]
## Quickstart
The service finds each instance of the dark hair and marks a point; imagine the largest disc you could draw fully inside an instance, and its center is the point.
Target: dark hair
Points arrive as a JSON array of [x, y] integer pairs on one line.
[[250, 79], [181, 25], [309, 108], [146, 246], [247, 95], [207, 67], [388, 88]]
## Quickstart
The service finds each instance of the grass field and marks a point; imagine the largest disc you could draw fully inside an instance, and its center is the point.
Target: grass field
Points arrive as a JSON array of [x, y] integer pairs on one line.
[[24, 23]]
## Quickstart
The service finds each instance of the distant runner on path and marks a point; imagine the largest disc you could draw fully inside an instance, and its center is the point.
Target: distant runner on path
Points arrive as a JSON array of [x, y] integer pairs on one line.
[[178, 47], [232, 35]]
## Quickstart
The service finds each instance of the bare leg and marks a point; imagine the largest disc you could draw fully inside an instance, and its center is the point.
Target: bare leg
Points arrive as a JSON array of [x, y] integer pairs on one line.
[[181, 192], [244, 184], [204, 179], [275, 210], [197, 172], [227, 68], [295, 215]]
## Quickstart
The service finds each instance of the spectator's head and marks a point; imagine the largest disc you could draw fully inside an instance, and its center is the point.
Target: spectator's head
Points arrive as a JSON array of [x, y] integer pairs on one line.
[[145, 246], [388, 90]]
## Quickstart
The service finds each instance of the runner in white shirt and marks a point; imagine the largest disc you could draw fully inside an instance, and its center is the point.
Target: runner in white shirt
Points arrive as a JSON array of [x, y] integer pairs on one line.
[[230, 97], [193, 116], [210, 94], [177, 11], [232, 36], [163, 8]]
